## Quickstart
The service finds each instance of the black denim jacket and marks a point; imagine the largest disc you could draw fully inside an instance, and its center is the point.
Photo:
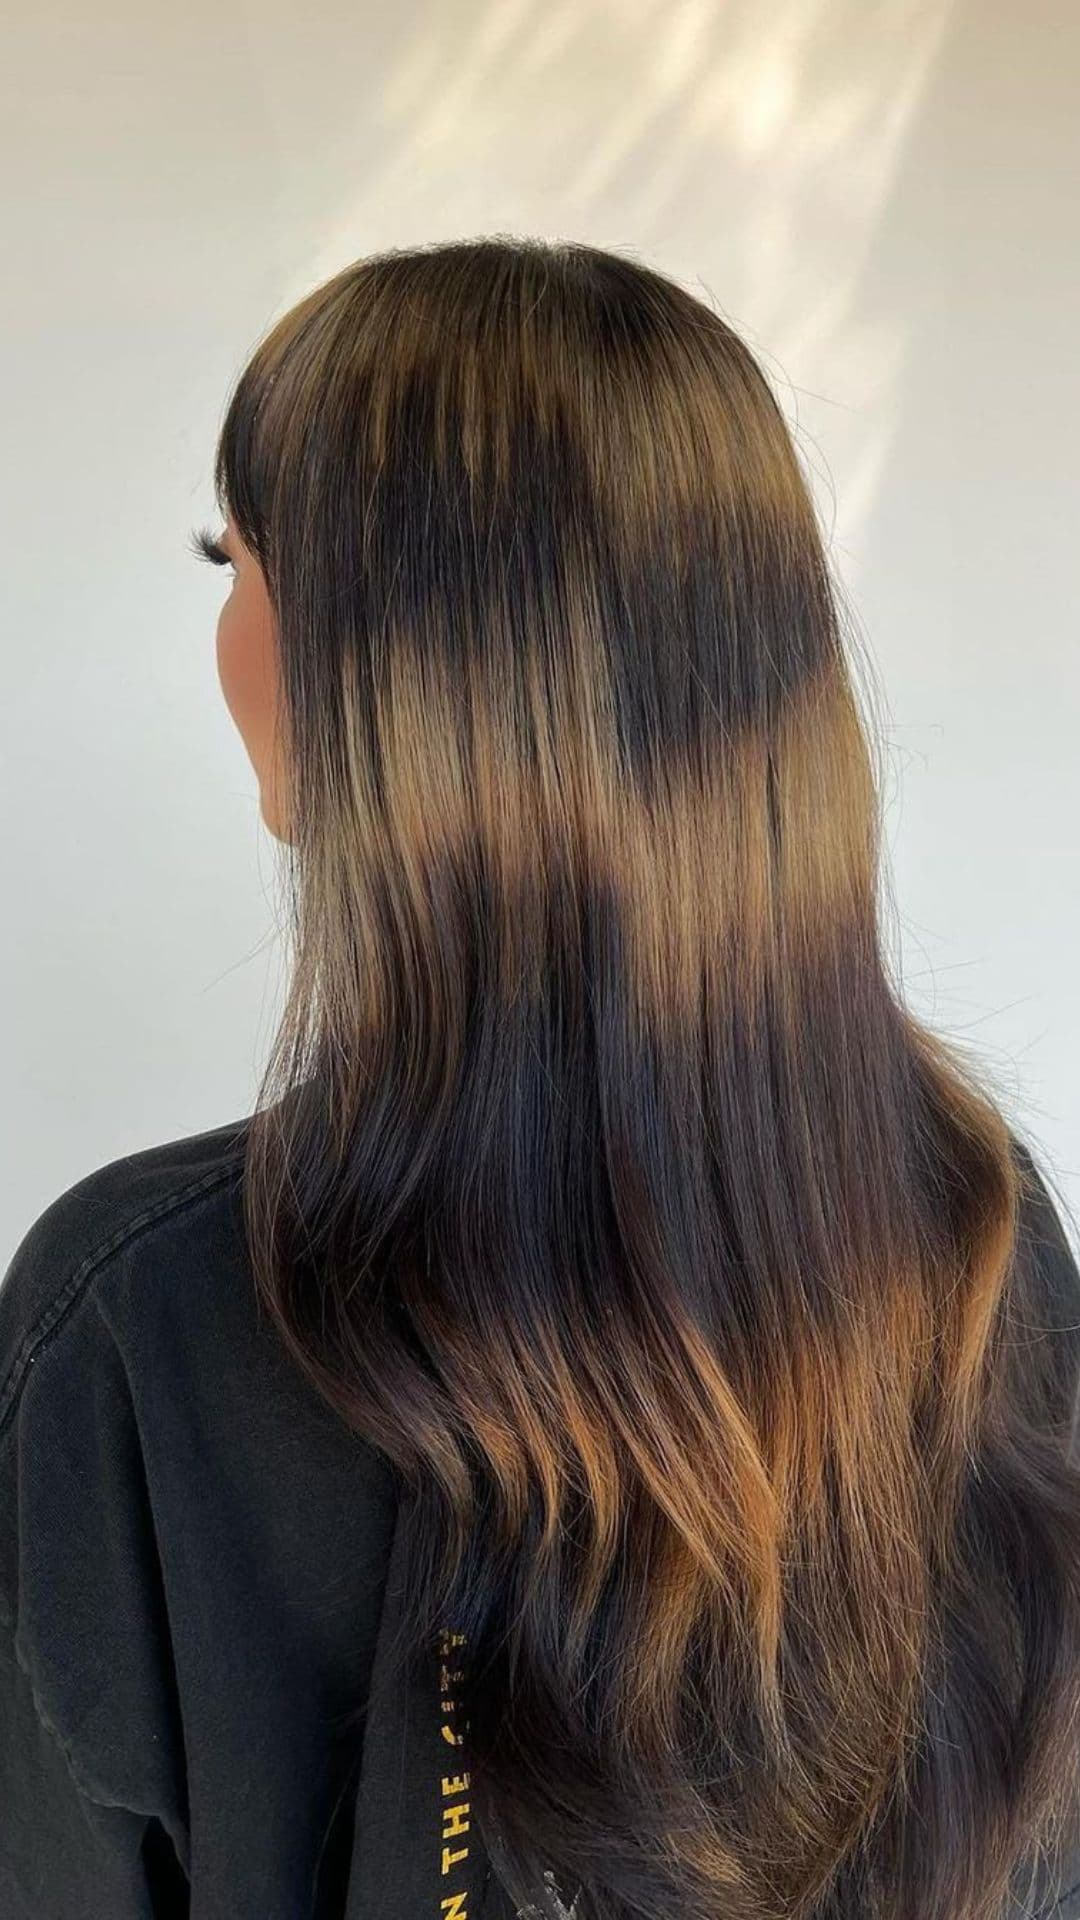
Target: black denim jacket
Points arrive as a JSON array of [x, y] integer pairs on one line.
[[199, 1570]]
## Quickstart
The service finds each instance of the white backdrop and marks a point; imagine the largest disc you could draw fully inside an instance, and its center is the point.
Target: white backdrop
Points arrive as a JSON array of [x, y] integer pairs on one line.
[[881, 197]]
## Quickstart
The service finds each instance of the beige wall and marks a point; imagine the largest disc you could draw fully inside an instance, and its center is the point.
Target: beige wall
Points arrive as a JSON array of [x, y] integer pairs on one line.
[[880, 196]]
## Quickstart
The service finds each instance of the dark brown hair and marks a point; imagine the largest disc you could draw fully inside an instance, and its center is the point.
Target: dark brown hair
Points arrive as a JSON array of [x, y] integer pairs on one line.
[[600, 1177]]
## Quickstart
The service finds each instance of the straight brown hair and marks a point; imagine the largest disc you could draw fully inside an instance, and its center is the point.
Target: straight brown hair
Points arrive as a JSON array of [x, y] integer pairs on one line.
[[601, 1178]]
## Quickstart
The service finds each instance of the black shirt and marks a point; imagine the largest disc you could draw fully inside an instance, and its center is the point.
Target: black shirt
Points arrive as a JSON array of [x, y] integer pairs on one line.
[[200, 1711], [196, 1590]]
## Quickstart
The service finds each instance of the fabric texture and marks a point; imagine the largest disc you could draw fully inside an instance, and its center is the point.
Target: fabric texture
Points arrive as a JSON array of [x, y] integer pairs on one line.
[[201, 1711]]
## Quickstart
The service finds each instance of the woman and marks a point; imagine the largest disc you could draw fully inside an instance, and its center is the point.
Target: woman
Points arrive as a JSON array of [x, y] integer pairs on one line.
[[597, 1438]]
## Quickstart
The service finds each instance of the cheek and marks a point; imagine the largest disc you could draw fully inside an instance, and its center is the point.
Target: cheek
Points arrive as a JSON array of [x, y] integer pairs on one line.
[[245, 666]]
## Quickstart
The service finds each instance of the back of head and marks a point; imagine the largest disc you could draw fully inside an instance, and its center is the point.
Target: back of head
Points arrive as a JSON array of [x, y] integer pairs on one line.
[[602, 1179]]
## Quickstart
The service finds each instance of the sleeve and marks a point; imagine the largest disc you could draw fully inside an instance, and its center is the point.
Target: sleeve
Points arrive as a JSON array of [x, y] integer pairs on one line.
[[63, 1856], [92, 1813]]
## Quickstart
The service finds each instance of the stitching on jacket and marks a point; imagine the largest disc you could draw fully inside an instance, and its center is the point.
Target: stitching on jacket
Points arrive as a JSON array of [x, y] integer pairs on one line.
[[67, 1298]]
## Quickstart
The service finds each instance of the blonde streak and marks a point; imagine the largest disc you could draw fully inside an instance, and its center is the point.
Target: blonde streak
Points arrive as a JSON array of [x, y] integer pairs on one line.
[[595, 1458], [823, 774], [981, 1289], [521, 816], [728, 1517], [473, 1400], [418, 721], [671, 1478], [732, 895], [568, 1447], [584, 790], [705, 1848], [710, 1411], [569, 1441], [760, 1512], [983, 1298], [544, 1451], [871, 1429], [721, 1399], [590, 1453], [497, 1397], [971, 1290], [506, 1457], [676, 892], [792, 1417], [675, 1592], [882, 1490], [701, 919], [565, 1440], [589, 804]]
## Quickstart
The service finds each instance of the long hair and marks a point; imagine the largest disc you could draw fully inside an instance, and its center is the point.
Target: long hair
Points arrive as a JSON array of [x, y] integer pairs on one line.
[[599, 1176]]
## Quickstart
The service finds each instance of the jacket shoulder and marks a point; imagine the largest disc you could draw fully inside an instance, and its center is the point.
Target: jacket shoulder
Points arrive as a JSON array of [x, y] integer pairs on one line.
[[90, 1222]]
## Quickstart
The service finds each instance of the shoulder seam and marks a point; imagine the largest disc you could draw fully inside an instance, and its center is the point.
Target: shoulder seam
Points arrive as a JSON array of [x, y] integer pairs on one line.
[[49, 1323]]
